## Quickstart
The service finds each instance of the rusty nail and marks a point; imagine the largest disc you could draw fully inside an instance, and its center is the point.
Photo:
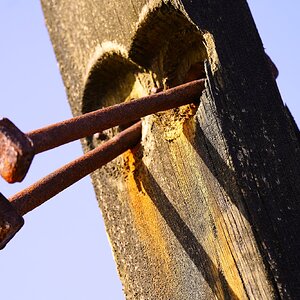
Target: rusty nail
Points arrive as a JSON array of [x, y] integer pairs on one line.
[[17, 149], [12, 210], [16, 152]]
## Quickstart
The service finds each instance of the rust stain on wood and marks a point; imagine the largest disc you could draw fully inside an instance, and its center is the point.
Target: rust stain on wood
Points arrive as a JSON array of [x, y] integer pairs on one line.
[[218, 230], [148, 222]]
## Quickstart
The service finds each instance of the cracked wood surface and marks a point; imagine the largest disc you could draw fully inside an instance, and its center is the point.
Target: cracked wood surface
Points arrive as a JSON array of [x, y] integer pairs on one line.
[[207, 205]]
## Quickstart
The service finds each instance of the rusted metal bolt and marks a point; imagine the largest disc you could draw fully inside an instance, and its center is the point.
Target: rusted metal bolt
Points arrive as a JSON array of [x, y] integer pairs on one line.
[[18, 149], [12, 209]]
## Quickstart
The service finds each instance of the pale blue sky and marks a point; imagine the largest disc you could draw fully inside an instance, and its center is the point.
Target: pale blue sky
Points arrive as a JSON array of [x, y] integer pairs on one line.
[[62, 252]]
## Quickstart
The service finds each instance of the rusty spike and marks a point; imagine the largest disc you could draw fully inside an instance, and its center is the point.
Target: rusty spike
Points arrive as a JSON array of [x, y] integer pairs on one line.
[[16, 152], [85, 125], [12, 210]]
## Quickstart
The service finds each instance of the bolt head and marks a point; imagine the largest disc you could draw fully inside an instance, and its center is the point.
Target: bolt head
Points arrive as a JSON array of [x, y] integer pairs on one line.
[[10, 221], [16, 152]]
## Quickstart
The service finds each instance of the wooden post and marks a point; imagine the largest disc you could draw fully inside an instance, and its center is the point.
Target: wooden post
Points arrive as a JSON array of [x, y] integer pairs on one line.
[[207, 206]]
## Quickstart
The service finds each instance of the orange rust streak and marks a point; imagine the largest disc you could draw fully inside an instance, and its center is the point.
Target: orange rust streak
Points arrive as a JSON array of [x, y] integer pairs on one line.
[[148, 222]]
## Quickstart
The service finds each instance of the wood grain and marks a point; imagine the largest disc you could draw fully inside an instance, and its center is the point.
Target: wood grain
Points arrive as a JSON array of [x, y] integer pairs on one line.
[[207, 206]]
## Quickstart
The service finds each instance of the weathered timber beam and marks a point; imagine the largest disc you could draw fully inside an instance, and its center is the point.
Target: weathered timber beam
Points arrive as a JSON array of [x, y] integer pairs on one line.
[[208, 206]]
